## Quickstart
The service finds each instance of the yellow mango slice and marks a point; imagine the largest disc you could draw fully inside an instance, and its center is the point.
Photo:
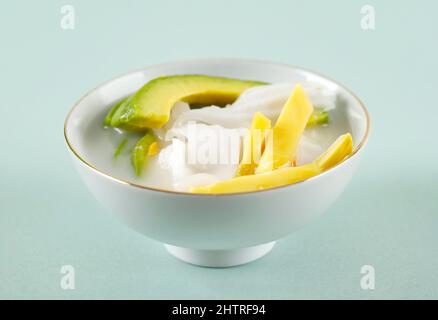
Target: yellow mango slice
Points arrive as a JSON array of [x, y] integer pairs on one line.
[[262, 181], [338, 151], [283, 140], [253, 144], [341, 148]]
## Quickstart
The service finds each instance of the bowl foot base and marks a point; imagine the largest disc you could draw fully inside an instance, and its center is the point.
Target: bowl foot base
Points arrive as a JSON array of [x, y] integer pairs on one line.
[[220, 258]]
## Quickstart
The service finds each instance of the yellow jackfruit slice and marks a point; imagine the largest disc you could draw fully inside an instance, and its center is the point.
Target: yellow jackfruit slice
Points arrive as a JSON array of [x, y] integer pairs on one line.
[[253, 144], [282, 143], [338, 151]]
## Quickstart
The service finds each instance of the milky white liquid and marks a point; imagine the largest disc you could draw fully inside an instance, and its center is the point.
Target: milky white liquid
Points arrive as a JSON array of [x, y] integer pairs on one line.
[[103, 142]]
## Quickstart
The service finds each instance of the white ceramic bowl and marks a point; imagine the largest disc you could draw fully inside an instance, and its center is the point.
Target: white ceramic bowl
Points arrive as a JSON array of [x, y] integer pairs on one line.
[[208, 230]]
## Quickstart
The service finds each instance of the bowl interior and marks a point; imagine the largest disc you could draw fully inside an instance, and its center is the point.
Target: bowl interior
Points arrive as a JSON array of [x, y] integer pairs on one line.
[[89, 142]]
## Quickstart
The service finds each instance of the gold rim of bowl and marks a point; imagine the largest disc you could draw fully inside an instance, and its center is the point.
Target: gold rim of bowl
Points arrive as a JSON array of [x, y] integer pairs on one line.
[[125, 182]]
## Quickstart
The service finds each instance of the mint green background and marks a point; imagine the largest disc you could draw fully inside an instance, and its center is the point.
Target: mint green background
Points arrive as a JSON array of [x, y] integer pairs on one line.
[[387, 217]]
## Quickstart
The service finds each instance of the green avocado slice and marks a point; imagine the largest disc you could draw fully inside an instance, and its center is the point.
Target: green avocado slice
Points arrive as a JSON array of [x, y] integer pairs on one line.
[[318, 117], [150, 106], [139, 154], [109, 116], [107, 122]]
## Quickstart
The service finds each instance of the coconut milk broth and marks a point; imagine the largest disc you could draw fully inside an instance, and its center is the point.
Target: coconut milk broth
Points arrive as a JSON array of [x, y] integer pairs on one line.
[[103, 142]]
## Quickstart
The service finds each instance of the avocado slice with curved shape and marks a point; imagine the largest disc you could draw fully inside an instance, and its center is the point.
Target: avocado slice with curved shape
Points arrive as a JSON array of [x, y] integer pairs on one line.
[[110, 114], [318, 117], [108, 121], [140, 152], [150, 106]]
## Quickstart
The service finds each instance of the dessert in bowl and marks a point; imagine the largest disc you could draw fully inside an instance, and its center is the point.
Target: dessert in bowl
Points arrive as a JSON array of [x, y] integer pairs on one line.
[[217, 159]]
